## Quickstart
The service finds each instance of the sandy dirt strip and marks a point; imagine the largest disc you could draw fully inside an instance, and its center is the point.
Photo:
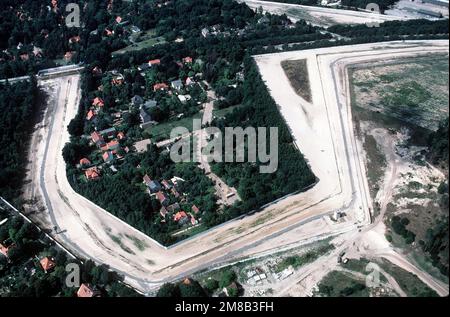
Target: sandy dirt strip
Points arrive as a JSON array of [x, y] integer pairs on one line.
[[321, 16], [323, 131]]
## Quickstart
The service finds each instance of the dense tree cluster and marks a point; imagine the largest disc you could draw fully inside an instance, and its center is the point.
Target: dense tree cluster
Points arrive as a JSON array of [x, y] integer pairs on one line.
[[438, 145], [392, 29], [18, 108], [27, 245]]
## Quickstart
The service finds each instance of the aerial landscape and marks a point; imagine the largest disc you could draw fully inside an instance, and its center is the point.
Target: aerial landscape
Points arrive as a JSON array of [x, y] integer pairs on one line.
[[224, 148]]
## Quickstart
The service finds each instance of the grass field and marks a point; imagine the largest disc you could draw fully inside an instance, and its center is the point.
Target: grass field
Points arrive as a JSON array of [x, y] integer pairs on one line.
[[297, 72], [340, 284], [162, 131], [410, 283], [143, 40], [414, 90]]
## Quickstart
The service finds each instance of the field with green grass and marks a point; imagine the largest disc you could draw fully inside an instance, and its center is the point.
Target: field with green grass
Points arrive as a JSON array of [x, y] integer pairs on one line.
[[140, 41], [413, 90], [162, 131]]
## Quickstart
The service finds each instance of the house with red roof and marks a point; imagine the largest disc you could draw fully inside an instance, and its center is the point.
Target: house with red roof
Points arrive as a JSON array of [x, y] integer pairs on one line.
[[160, 86], [109, 32], [90, 115], [92, 173], [86, 290], [108, 156], [74, 39], [121, 135], [5, 249], [84, 161], [147, 180], [118, 19], [47, 264], [162, 198], [68, 56], [195, 209], [98, 102], [189, 81], [113, 145], [97, 139], [187, 60], [154, 62], [163, 211], [179, 216]]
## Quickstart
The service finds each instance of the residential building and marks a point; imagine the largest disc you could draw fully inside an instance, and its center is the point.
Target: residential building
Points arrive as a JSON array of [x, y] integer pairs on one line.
[[90, 115], [166, 184], [195, 209], [189, 81], [179, 216], [137, 100], [162, 198], [143, 67], [187, 60], [108, 133], [86, 290], [154, 186], [5, 249], [163, 212], [92, 173], [98, 102], [97, 138], [113, 145], [154, 62], [149, 104], [146, 180], [177, 84], [47, 264], [160, 86], [84, 162], [146, 119], [108, 156], [121, 135]]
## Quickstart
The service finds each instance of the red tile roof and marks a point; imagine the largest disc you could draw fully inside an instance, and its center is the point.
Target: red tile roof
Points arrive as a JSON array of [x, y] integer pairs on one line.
[[86, 290], [195, 209], [90, 115], [187, 59], [119, 19], [107, 156], [98, 102], [96, 137], [161, 197], [160, 86], [179, 215], [121, 135], [85, 161], [154, 62], [113, 145], [4, 250], [147, 179], [47, 264], [92, 173]]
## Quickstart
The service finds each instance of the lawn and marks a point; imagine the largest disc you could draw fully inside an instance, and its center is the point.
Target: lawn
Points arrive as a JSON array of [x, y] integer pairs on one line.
[[143, 40], [162, 131], [341, 284], [297, 72]]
